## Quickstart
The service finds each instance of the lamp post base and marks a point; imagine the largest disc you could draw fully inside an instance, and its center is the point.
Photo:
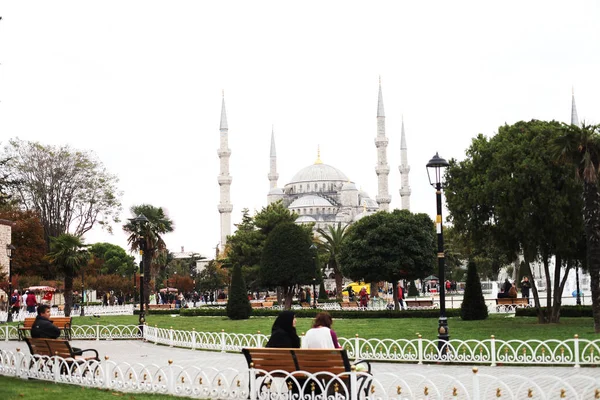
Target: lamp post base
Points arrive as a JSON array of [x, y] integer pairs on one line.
[[142, 321], [443, 336]]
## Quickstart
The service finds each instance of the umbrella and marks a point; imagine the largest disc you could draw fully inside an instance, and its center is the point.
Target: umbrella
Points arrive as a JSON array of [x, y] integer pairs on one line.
[[41, 289], [171, 289]]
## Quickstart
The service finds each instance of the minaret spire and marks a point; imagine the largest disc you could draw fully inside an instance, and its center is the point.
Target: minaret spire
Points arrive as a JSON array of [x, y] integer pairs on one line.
[[574, 118], [225, 207], [273, 175], [404, 170], [382, 169]]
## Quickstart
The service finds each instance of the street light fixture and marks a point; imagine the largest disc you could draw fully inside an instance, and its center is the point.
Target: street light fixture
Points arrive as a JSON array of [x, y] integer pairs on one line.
[[141, 221], [9, 252], [436, 166]]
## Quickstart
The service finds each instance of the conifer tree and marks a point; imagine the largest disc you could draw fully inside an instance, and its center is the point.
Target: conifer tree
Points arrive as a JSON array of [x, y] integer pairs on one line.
[[412, 290], [238, 305], [473, 306]]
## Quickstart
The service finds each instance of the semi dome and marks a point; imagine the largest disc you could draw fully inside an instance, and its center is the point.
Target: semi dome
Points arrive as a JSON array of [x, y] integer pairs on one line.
[[305, 219], [310, 201], [349, 186], [319, 172]]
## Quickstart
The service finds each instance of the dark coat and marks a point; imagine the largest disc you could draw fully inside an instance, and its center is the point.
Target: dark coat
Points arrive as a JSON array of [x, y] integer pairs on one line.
[[283, 333], [44, 328]]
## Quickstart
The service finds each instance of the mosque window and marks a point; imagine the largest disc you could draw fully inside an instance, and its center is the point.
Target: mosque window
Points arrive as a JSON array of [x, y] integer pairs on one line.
[[300, 189], [311, 211]]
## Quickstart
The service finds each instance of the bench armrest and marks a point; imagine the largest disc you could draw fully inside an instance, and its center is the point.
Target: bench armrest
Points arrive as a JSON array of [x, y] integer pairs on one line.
[[363, 363], [80, 353]]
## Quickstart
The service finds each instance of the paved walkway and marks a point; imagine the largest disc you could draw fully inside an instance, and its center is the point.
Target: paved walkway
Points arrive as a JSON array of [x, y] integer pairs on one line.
[[137, 351]]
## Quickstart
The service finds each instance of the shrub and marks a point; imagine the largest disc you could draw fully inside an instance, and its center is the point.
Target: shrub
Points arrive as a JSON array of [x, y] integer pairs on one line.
[[565, 311], [238, 305], [473, 306], [412, 290]]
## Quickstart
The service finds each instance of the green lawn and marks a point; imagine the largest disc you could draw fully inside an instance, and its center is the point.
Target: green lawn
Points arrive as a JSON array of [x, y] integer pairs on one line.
[[15, 388], [504, 328]]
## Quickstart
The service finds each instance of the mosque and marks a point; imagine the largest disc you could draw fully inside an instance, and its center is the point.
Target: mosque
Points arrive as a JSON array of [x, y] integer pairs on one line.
[[320, 194]]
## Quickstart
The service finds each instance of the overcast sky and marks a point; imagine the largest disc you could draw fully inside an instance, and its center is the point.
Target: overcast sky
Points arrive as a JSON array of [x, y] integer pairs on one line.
[[140, 83]]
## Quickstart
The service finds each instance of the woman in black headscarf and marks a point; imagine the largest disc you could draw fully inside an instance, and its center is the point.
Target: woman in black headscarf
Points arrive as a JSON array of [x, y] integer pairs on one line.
[[283, 332]]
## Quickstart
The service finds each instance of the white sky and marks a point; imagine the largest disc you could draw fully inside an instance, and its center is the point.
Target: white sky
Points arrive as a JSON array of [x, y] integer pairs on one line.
[[139, 82]]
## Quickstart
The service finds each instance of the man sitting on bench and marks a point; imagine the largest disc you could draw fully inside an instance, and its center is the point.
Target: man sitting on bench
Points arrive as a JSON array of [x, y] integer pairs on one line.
[[44, 328]]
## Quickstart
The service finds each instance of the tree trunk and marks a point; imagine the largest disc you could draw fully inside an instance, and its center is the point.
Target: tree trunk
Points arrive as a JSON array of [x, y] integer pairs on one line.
[[592, 236], [289, 294], [146, 260], [395, 296], [68, 292], [338, 285]]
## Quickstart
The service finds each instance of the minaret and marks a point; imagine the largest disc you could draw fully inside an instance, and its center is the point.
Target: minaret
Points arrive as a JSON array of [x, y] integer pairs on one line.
[[574, 118], [404, 170], [273, 175], [382, 169], [224, 179]]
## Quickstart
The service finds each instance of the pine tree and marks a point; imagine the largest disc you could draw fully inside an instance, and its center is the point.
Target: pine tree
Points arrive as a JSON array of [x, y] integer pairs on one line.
[[238, 305], [322, 292], [412, 290], [473, 306]]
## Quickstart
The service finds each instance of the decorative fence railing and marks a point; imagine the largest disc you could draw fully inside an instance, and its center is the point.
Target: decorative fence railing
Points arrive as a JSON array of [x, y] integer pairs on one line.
[[125, 309], [572, 352], [231, 384]]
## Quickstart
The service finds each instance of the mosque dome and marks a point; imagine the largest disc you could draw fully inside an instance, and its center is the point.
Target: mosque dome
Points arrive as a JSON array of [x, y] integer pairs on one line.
[[349, 186], [319, 172], [310, 201], [305, 219]]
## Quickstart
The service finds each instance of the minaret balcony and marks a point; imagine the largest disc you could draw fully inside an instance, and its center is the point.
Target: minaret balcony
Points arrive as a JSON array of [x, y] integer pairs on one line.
[[382, 170], [224, 153], [273, 177], [224, 179], [404, 169], [383, 199], [405, 191], [381, 142], [225, 208]]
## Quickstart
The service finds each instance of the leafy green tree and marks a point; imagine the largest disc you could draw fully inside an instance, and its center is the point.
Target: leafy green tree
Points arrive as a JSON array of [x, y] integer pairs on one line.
[[238, 305], [389, 247], [70, 189], [579, 147], [331, 241], [473, 306], [150, 234], [112, 259], [510, 192], [212, 277], [68, 253], [287, 259]]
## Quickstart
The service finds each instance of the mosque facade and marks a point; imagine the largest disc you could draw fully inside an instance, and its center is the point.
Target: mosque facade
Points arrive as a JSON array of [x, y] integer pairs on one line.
[[320, 193]]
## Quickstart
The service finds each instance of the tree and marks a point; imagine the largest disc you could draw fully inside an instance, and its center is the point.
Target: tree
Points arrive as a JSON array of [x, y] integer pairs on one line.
[[109, 258], [27, 235], [509, 194], [212, 277], [473, 306], [287, 259], [389, 247], [331, 242], [68, 253], [238, 305], [70, 189], [149, 234], [579, 147]]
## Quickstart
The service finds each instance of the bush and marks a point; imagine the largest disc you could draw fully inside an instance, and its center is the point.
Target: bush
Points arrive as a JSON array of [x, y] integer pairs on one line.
[[565, 311], [238, 305], [473, 307], [412, 290]]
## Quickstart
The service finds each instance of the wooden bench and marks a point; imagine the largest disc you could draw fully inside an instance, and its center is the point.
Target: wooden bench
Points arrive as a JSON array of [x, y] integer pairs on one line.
[[44, 349], [348, 304], [62, 323], [419, 303], [160, 306], [304, 370], [511, 303], [267, 304], [257, 304]]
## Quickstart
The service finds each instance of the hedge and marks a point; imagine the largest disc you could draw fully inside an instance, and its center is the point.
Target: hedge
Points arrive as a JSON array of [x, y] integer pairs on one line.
[[565, 311], [311, 313]]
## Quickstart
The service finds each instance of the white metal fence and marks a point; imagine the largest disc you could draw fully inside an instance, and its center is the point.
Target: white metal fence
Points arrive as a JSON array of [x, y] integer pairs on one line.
[[89, 311], [232, 384]]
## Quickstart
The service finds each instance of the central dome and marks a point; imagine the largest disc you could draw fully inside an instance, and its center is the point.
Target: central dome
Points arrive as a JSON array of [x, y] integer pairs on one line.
[[319, 172]]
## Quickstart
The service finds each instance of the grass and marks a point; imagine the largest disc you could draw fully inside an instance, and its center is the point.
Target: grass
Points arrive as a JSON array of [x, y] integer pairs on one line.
[[503, 328], [16, 388]]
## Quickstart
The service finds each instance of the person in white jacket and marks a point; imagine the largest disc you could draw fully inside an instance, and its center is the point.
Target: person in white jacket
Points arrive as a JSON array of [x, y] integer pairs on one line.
[[321, 336]]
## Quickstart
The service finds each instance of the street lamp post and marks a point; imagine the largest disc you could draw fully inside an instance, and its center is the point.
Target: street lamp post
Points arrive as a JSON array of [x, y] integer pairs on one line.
[[313, 247], [436, 166], [140, 221], [9, 252], [577, 285], [82, 313]]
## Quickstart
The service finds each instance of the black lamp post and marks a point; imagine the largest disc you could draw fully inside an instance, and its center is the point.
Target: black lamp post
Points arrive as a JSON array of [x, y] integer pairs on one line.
[[436, 166], [82, 313], [577, 285], [314, 280], [9, 252], [140, 221]]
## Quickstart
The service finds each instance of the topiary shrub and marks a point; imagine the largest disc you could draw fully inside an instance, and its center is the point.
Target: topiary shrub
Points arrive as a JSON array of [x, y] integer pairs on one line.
[[412, 290], [238, 305], [473, 306], [322, 292]]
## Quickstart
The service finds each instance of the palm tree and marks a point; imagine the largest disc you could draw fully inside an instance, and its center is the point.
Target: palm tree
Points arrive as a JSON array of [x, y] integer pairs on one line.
[[580, 146], [69, 254], [148, 234], [331, 242]]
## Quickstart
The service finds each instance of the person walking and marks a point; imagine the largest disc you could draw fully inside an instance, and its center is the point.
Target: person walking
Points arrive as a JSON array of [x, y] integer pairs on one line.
[[283, 332], [363, 297], [401, 297], [321, 336], [15, 301], [31, 303], [525, 286]]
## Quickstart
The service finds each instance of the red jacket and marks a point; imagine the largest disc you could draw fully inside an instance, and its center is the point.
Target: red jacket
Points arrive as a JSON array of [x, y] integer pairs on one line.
[[31, 301]]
